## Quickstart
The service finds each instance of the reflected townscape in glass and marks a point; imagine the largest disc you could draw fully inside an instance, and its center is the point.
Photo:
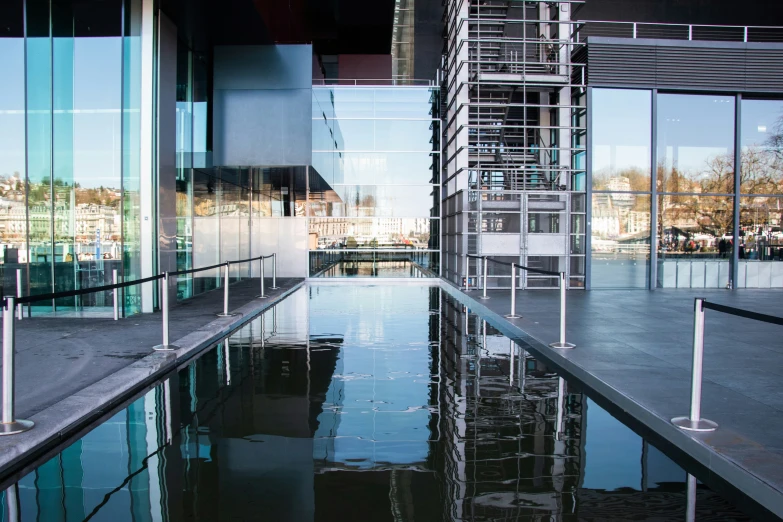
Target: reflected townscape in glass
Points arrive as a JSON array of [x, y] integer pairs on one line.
[[692, 215], [69, 160], [362, 403]]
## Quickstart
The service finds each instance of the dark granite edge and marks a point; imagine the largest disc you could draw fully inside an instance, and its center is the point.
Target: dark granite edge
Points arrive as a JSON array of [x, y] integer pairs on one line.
[[57, 423], [743, 479]]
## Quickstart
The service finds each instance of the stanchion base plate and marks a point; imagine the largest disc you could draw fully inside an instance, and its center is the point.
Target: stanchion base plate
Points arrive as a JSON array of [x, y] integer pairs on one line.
[[17, 426], [512, 316], [274, 287], [165, 347], [483, 297], [687, 424], [261, 296], [221, 314], [564, 346]]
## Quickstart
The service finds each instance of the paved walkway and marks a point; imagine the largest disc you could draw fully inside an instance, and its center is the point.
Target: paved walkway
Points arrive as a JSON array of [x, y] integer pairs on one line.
[[634, 348], [57, 357]]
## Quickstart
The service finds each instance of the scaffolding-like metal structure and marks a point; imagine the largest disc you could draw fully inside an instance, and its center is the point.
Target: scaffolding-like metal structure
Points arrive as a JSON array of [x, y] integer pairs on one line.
[[513, 99]]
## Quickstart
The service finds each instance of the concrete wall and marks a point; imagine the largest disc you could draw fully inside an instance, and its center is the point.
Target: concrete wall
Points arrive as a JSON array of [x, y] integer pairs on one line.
[[262, 105]]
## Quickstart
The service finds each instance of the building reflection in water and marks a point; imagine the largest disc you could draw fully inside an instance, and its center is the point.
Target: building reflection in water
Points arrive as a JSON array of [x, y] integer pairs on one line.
[[356, 402]]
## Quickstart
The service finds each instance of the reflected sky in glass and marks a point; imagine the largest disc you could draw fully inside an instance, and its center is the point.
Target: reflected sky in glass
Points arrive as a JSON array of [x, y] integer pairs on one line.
[[695, 139], [622, 139]]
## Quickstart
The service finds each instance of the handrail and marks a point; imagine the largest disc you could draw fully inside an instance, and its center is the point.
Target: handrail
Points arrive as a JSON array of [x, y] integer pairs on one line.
[[396, 82], [527, 268], [195, 270], [694, 421], [734, 33], [513, 315], [739, 312], [10, 425], [83, 291]]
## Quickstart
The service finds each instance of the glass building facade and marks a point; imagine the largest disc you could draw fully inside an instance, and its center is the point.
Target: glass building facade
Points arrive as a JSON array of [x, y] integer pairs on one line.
[[373, 189], [707, 217], [69, 152]]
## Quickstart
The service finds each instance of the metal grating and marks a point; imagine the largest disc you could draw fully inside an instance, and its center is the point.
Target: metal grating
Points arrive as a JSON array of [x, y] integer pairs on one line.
[[731, 67]]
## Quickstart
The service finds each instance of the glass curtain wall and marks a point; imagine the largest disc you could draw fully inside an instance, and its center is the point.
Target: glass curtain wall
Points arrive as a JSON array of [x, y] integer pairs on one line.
[[761, 190], [621, 160], [69, 154], [695, 182], [374, 181], [695, 191], [13, 167]]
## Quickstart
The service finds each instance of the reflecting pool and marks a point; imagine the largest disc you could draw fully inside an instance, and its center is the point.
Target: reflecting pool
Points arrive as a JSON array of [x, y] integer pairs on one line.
[[362, 403]]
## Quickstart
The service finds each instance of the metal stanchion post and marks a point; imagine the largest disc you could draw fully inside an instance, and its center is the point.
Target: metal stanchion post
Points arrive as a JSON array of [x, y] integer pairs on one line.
[[694, 422], [274, 272], [19, 307], [513, 314], [10, 425], [484, 262], [225, 291], [562, 342], [262, 296], [116, 293], [164, 304]]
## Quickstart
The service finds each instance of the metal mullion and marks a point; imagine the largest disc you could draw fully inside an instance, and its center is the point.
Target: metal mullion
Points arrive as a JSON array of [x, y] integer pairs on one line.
[[26, 155], [737, 189], [652, 282], [588, 187]]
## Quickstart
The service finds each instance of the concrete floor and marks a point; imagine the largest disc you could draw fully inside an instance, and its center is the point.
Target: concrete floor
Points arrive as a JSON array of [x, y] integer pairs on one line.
[[58, 356], [635, 349]]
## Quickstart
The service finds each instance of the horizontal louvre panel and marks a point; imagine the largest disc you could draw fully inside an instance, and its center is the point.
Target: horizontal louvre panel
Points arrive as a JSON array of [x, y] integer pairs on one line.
[[738, 69]]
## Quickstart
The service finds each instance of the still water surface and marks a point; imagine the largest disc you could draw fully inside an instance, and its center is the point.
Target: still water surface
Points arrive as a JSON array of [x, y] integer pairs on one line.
[[362, 403]]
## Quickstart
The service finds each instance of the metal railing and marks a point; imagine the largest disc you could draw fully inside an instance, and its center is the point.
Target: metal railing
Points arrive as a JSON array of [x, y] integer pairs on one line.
[[484, 261], [372, 82], [10, 304], [700, 32], [695, 422]]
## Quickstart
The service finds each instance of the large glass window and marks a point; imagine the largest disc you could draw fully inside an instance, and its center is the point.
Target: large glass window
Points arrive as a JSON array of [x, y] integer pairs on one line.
[[695, 143], [39, 148], [762, 147], [622, 139], [373, 185], [621, 158]]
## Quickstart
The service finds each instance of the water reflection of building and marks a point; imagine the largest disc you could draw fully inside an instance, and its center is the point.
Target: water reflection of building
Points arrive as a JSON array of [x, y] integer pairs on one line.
[[505, 456]]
